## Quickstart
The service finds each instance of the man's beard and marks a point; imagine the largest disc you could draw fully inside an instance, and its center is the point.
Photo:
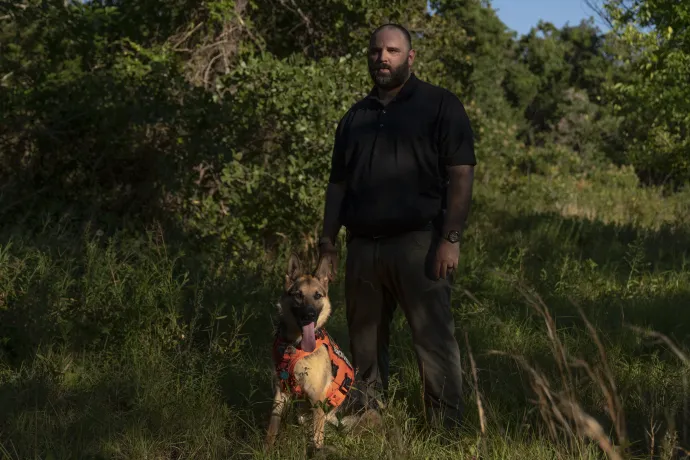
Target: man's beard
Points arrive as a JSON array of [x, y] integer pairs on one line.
[[389, 80]]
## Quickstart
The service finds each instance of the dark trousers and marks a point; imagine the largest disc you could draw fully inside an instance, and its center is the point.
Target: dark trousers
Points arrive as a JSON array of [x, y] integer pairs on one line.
[[381, 274]]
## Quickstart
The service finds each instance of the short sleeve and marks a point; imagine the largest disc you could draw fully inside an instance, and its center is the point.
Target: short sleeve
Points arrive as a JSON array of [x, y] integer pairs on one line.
[[456, 138], [338, 159]]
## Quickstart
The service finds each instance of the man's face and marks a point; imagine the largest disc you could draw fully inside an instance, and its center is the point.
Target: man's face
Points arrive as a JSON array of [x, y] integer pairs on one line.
[[390, 59]]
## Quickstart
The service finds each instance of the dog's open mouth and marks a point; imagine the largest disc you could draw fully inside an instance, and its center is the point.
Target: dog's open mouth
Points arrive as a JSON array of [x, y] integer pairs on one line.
[[308, 338]]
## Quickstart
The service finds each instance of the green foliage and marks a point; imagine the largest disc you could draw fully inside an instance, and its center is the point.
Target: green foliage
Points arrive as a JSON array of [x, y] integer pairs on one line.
[[653, 104], [118, 127], [329, 28], [271, 181], [479, 54], [567, 106], [212, 123]]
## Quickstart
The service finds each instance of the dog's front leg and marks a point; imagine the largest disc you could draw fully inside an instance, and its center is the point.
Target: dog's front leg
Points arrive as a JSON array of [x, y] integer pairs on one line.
[[319, 425], [279, 403]]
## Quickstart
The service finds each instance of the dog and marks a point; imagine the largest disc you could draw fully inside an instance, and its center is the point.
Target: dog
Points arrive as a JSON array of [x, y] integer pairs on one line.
[[309, 365]]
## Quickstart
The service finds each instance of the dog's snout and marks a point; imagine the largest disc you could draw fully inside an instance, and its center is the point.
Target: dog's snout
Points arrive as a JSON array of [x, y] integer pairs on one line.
[[310, 315]]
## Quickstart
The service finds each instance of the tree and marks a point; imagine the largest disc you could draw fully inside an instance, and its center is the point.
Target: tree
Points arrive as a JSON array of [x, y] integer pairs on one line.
[[653, 50]]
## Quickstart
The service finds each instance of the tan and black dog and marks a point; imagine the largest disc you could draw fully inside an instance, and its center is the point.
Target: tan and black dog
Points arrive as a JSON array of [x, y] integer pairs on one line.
[[309, 365]]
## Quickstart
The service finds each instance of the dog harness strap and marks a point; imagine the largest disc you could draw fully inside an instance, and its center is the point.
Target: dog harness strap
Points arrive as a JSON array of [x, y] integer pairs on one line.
[[344, 373], [340, 385], [286, 356]]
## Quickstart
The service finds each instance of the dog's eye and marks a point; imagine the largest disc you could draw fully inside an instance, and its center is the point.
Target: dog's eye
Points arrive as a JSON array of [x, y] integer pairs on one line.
[[317, 295]]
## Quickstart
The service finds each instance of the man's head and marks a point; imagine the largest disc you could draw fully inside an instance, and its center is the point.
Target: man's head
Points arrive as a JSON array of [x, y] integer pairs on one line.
[[390, 56]]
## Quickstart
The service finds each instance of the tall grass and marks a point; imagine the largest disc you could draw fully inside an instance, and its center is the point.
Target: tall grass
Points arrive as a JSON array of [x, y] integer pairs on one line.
[[129, 347]]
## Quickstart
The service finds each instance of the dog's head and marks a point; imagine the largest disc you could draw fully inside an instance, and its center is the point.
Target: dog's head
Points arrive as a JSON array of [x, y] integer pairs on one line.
[[304, 305]]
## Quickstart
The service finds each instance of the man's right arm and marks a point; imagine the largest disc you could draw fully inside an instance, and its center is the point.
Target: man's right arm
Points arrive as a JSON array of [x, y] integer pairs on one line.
[[335, 191]]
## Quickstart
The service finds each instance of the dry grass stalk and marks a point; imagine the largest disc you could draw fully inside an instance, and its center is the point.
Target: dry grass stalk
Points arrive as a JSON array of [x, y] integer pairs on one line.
[[541, 388], [686, 408], [560, 409], [651, 432], [661, 338], [557, 348], [611, 397], [607, 384], [601, 375], [480, 407], [591, 428]]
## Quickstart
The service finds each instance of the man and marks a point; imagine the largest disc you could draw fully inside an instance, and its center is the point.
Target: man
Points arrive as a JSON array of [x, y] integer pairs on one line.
[[401, 183]]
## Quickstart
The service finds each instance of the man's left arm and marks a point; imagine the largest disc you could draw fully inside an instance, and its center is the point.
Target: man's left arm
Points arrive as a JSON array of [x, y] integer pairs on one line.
[[458, 198], [456, 150]]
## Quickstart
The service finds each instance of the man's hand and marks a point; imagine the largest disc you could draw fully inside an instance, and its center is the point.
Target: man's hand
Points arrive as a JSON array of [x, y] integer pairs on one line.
[[330, 252], [447, 256]]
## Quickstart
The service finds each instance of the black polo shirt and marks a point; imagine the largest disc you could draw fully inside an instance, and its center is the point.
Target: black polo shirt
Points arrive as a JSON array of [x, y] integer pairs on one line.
[[393, 157]]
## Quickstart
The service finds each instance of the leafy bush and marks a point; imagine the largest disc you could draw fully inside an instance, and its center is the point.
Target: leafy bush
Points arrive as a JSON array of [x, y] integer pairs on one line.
[[159, 159]]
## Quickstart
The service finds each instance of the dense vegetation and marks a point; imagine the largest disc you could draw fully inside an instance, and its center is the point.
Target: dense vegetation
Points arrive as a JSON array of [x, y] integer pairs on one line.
[[158, 160]]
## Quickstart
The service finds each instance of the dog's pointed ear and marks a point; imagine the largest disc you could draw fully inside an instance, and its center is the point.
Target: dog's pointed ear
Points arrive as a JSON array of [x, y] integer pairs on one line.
[[294, 270], [323, 271]]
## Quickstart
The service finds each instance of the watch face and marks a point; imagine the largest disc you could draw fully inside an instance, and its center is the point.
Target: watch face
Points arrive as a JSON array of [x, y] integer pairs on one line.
[[453, 236]]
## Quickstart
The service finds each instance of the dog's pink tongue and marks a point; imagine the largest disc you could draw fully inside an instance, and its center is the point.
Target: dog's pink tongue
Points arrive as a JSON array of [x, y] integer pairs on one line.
[[308, 339]]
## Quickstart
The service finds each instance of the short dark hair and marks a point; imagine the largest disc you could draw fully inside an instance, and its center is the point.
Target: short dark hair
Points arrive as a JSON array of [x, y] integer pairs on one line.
[[392, 25]]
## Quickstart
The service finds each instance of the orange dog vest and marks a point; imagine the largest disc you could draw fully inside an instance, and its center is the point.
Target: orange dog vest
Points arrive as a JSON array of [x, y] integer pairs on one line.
[[286, 355]]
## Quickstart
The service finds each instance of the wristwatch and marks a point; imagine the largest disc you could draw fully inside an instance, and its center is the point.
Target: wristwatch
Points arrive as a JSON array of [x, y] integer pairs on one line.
[[453, 236]]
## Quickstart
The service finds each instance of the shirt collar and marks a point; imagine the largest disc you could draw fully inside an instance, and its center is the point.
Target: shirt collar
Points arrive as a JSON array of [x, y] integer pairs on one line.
[[405, 92]]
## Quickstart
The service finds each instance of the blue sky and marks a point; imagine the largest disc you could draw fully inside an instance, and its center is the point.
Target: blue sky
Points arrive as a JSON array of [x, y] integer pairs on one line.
[[521, 15]]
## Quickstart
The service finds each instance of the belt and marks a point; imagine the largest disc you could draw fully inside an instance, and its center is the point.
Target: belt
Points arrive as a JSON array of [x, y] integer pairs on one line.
[[349, 235]]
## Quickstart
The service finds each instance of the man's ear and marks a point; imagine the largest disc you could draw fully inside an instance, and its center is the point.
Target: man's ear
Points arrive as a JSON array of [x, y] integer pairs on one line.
[[323, 271], [410, 57], [294, 270]]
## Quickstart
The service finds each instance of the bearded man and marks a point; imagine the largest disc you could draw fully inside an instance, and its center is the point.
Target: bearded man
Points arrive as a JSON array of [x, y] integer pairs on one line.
[[401, 179]]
